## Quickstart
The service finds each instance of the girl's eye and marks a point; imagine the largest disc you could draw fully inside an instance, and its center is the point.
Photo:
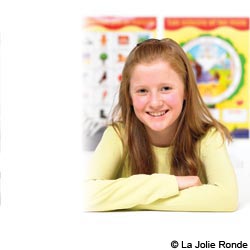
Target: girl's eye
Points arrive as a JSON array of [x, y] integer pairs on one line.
[[166, 88], [142, 91]]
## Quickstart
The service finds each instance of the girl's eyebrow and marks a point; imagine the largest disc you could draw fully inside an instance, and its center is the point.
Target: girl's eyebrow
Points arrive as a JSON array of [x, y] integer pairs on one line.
[[145, 85]]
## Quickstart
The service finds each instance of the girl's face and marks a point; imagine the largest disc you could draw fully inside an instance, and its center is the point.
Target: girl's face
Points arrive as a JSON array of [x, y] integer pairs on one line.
[[157, 94]]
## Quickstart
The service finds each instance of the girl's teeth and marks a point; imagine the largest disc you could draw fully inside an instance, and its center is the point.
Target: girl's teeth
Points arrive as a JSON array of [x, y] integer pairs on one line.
[[158, 113]]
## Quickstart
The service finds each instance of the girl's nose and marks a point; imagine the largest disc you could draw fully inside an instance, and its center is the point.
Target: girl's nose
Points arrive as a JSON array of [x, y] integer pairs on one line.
[[155, 100]]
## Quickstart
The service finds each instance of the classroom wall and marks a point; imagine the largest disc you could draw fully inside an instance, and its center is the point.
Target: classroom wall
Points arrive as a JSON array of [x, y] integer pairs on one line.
[[219, 59]]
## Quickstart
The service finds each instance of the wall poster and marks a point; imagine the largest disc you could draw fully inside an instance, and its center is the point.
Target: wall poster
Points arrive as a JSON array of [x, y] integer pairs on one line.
[[106, 43], [218, 49]]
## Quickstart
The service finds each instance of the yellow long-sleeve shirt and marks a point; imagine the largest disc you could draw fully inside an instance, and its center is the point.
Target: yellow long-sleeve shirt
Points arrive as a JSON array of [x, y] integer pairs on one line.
[[109, 184]]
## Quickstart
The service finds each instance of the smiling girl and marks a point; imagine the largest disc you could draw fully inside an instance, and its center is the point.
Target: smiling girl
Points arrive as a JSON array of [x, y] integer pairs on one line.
[[163, 150]]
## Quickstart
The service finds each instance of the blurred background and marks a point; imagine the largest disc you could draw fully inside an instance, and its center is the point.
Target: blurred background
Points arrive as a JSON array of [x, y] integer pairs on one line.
[[217, 47]]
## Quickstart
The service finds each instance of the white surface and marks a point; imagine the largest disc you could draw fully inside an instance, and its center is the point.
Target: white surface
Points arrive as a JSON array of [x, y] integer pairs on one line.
[[41, 159], [239, 153]]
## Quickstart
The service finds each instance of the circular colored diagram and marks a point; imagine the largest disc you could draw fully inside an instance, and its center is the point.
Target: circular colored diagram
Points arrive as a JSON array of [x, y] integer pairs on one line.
[[217, 67]]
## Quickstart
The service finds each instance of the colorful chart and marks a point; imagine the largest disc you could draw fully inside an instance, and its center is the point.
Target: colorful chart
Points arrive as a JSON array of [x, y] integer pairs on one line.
[[218, 49], [217, 67], [107, 42]]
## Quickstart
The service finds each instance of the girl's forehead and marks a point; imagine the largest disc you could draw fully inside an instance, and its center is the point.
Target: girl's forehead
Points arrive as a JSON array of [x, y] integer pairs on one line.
[[157, 64], [154, 75], [153, 68]]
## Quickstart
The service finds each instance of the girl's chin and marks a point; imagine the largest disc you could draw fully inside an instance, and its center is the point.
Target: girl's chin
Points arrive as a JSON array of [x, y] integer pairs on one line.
[[157, 129]]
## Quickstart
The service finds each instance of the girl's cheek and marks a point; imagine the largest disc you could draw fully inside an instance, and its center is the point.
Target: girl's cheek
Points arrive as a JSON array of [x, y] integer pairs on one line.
[[139, 102], [173, 99]]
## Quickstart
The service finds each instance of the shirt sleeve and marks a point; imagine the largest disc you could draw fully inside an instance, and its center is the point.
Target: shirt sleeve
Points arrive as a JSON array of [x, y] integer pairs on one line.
[[221, 191], [106, 190]]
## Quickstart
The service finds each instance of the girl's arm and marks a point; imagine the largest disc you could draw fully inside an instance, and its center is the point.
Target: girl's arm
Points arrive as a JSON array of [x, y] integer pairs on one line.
[[221, 191], [105, 188]]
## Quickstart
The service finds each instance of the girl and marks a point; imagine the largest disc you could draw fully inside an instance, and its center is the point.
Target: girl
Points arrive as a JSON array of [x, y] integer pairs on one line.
[[163, 150]]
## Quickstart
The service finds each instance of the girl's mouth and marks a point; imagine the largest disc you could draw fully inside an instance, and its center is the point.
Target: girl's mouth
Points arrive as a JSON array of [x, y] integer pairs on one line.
[[157, 114]]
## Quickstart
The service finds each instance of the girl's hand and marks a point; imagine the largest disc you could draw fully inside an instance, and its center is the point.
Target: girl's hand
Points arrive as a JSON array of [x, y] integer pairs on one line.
[[187, 181]]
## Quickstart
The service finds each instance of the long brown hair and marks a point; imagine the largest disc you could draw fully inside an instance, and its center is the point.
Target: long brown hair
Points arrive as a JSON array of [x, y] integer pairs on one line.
[[194, 121]]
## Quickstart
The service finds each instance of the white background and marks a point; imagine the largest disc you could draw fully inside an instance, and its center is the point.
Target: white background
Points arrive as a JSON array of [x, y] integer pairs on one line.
[[41, 158]]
